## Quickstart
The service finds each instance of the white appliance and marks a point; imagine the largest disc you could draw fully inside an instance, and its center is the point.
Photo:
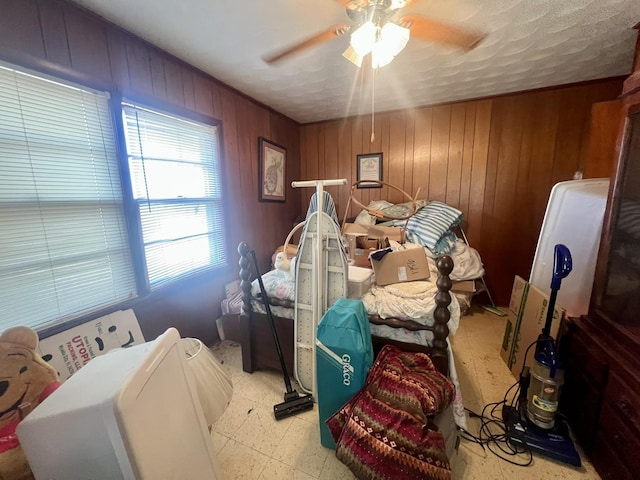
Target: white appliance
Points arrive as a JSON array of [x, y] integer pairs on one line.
[[574, 216], [130, 414]]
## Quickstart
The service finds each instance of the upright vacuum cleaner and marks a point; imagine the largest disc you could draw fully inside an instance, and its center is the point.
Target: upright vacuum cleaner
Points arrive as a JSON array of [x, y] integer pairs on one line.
[[533, 424], [293, 402]]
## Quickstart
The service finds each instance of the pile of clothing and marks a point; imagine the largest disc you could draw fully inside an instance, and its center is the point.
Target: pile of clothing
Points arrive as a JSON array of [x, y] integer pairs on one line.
[[386, 429]]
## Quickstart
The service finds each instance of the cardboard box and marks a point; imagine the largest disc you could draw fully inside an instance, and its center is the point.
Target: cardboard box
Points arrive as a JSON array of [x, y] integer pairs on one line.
[[526, 317], [70, 350], [464, 286], [374, 231], [401, 266], [361, 257], [518, 294], [514, 315], [363, 240], [533, 318]]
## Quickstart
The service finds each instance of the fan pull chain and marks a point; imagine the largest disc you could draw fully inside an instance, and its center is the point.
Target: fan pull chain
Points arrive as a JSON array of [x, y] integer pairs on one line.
[[373, 94]]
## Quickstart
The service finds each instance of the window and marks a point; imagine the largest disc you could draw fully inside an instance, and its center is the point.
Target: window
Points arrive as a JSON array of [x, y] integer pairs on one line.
[[176, 180], [64, 248]]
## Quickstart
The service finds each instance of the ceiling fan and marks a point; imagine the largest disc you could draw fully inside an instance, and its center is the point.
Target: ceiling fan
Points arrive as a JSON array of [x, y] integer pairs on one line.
[[381, 32]]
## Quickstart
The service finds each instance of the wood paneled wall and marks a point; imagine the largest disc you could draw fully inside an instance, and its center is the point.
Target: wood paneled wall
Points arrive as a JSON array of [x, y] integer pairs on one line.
[[60, 38], [495, 159]]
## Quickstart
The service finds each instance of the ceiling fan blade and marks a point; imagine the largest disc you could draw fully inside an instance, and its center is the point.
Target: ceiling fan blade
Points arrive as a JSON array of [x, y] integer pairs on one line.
[[329, 34], [443, 33], [365, 3]]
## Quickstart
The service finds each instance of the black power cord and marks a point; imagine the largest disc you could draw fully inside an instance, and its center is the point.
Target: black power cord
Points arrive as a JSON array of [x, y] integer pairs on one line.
[[493, 430]]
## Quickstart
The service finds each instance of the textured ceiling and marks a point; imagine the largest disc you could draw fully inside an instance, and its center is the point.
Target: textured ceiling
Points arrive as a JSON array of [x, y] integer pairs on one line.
[[529, 44]]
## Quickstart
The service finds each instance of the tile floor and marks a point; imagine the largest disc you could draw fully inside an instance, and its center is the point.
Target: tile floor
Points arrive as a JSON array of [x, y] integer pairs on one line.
[[251, 444]]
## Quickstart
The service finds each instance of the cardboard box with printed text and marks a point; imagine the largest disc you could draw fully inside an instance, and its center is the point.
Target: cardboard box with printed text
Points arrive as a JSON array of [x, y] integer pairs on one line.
[[401, 266], [534, 316], [514, 315]]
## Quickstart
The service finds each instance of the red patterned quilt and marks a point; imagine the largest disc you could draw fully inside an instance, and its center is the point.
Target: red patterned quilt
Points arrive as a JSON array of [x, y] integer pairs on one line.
[[384, 431]]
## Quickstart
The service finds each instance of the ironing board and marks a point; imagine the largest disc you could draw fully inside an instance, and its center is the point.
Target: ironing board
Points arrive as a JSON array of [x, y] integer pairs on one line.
[[321, 279]]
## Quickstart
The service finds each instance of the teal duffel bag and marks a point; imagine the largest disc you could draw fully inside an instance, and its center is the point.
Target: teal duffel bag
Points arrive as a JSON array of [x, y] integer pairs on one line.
[[344, 355]]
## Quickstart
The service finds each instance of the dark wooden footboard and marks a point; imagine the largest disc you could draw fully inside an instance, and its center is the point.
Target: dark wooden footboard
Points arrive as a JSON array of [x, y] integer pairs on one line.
[[258, 348]]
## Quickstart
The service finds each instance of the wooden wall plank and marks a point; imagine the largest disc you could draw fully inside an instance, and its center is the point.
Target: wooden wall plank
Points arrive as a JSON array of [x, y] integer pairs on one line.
[[331, 145], [158, 81], [385, 127], [54, 32], [372, 145], [356, 149], [345, 165], [232, 165], [422, 152], [331, 151], [408, 152], [312, 156], [139, 68], [203, 95], [569, 137], [116, 43], [456, 146], [467, 159], [394, 169], [440, 138], [189, 89], [322, 158], [216, 94], [88, 44], [174, 84], [475, 215]]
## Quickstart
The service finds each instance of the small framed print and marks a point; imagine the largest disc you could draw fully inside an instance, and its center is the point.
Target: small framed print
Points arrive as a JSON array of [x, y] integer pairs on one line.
[[272, 166], [370, 168]]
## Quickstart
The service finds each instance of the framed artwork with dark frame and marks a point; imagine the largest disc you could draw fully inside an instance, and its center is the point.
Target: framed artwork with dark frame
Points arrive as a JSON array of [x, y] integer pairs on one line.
[[273, 173], [370, 168]]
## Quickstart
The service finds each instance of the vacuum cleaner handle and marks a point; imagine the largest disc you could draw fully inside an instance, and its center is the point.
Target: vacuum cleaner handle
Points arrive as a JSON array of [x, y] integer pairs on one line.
[[562, 265]]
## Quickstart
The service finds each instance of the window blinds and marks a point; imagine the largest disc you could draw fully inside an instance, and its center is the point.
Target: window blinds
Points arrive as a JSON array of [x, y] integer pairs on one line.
[[63, 248], [176, 178]]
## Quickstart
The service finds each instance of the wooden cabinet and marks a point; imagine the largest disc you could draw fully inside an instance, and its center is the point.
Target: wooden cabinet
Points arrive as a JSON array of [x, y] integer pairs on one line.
[[603, 137], [601, 396]]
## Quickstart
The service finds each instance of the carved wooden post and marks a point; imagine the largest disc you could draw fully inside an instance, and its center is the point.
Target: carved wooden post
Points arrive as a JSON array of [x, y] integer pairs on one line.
[[245, 317], [441, 313]]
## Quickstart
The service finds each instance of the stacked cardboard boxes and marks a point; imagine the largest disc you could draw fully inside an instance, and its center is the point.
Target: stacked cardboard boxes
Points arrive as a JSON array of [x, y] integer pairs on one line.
[[363, 240], [525, 320]]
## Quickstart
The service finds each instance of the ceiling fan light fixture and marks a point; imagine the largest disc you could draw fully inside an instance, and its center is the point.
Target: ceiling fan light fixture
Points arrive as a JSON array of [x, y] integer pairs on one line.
[[393, 38], [364, 38], [351, 55]]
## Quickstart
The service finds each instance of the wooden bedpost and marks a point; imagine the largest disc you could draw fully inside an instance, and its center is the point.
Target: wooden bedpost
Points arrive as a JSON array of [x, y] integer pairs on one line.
[[245, 317], [441, 315]]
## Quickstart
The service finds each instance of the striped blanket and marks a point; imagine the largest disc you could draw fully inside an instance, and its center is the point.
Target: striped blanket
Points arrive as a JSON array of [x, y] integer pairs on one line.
[[385, 431]]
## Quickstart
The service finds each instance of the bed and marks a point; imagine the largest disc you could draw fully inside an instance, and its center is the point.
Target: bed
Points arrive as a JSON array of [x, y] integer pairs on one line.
[[258, 351]]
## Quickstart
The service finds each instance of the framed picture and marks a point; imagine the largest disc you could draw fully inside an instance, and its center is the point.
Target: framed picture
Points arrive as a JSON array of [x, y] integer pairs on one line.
[[272, 166], [370, 168]]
